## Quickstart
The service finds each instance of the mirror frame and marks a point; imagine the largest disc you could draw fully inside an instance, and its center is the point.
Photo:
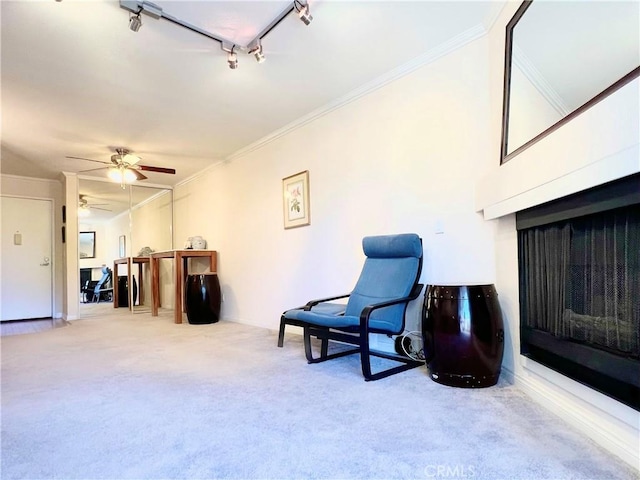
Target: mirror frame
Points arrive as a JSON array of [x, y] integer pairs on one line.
[[504, 156], [92, 237]]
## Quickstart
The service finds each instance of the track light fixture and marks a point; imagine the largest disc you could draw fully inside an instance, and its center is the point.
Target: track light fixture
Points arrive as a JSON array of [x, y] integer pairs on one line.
[[136, 7], [303, 12], [135, 22], [232, 57], [232, 60], [256, 51]]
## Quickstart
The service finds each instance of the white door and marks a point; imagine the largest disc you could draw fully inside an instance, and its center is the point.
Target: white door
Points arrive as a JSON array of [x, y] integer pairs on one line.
[[26, 260]]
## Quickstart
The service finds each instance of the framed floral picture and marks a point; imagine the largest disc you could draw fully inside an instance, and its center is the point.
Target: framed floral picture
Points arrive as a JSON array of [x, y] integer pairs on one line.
[[295, 196]]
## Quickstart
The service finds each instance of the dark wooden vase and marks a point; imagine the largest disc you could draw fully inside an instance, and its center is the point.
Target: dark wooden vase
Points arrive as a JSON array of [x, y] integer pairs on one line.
[[463, 335], [203, 298]]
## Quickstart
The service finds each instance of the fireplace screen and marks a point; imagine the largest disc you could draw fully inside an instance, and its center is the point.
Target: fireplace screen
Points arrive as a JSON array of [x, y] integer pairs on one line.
[[582, 279], [580, 298]]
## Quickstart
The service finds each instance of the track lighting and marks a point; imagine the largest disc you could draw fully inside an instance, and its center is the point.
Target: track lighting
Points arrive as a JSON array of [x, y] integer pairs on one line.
[[303, 12], [232, 60], [135, 22], [137, 7], [256, 51], [232, 57]]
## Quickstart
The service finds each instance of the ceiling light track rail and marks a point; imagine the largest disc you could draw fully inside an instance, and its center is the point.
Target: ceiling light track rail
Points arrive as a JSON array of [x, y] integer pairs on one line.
[[137, 7]]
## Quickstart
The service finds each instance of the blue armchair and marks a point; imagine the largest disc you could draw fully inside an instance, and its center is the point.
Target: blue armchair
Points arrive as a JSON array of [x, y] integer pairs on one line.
[[387, 283]]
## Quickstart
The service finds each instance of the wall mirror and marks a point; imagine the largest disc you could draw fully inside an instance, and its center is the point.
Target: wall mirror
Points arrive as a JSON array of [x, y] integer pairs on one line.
[[560, 59], [140, 214], [87, 244]]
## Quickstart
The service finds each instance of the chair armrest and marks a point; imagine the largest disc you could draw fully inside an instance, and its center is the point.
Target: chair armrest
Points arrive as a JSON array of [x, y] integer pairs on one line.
[[313, 303], [366, 311]]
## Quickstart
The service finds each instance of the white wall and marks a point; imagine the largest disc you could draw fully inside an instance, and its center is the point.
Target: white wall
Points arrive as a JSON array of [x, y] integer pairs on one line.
[[152, 224], [402, 159], [45, 189], [598, 146]]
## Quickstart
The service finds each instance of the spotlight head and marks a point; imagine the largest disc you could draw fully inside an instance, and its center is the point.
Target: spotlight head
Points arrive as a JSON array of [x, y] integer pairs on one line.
[[232, 60], [304, 15], [256, 51], [135, 23]]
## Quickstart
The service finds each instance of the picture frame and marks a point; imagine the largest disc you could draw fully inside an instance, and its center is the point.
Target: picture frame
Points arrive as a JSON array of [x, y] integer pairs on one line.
[[87, 245], [122, 246], [295, 200]]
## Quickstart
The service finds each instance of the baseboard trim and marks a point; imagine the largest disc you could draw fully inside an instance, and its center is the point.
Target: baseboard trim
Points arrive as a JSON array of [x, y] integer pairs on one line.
[[610, 431]]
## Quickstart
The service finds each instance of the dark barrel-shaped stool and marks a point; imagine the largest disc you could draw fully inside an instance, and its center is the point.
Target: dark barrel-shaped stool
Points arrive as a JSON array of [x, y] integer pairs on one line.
[[463, 334], [203, 298], [123, 291]]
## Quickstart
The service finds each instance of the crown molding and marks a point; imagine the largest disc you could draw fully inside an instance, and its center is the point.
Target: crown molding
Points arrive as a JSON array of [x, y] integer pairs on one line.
[[31, 179], [540, 83]]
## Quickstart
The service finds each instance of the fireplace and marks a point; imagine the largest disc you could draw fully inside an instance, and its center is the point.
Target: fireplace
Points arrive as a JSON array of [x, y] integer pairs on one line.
[[579, 273]]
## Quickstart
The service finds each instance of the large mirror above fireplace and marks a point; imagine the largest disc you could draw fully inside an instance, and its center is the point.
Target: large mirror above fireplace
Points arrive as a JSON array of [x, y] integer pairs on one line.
[[560, 59]]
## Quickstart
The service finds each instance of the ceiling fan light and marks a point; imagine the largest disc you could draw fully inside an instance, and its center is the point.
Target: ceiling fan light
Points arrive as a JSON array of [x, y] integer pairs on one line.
[[122, 175], [83, 211], [129, 176], [115, 174]]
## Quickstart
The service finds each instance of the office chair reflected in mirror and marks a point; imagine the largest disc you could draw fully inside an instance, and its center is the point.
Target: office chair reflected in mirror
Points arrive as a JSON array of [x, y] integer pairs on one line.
[[99, 291]]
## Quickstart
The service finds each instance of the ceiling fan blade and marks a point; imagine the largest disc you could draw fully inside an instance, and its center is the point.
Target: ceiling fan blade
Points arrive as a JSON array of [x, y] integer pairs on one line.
[[139, 176], [88, 159], [92, 169], [156, 169], [103, 209]]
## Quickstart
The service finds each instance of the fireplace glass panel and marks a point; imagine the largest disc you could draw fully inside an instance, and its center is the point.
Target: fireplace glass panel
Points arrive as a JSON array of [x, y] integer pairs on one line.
[[579, 299]]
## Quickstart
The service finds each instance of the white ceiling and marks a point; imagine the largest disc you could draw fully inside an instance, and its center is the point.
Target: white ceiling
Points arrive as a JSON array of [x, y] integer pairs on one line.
[[76, 81]]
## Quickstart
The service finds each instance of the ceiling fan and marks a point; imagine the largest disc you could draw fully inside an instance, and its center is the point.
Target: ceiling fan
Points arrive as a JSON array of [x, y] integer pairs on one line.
[[124, 167], [84, 203], [84, 206]]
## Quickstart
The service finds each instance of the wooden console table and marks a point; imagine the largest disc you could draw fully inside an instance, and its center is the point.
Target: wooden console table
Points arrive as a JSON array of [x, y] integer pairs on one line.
[[129, 262], [180, 258]]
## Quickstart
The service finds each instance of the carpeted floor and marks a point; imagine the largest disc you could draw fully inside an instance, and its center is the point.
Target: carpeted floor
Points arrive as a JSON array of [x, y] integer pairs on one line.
[[133, 397]]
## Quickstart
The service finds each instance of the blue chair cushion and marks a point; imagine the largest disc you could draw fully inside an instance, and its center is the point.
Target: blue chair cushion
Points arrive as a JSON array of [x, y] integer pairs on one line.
[[392, 246], [323, 308]]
